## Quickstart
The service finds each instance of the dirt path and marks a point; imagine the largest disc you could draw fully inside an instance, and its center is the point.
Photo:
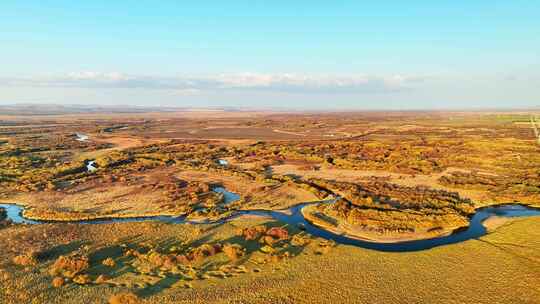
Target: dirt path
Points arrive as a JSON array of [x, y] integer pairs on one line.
[[288, 132]]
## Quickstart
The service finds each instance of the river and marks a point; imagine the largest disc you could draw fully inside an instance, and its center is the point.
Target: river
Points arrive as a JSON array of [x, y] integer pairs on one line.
[[294, 217]]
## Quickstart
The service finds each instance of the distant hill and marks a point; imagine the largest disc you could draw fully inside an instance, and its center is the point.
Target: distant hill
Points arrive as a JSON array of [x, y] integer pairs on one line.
[[55, 109]]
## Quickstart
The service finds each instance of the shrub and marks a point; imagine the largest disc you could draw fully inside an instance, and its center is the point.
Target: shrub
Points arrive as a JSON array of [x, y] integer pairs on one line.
[[82, 279], [233, 251], [300, 240], [25, 260], [69, 266], [252, 233], [268, 240], [124, 298], [278, 233], [109, 262], [203, 251], [58, 282]]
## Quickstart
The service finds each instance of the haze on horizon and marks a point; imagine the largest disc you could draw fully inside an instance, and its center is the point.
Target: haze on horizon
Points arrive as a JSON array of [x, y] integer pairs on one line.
[[306, 54]]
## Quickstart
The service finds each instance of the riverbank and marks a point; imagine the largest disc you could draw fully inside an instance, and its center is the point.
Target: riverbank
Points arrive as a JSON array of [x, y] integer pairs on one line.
[[294, 217], [494, 222], [342, 228], [485, 220], [505, 267]]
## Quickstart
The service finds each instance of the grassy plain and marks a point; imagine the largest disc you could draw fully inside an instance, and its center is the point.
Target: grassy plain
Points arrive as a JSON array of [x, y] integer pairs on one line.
[[401, 175], [501, 267]]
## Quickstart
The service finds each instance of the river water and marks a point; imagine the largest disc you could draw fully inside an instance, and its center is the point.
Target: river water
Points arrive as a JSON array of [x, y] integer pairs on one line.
[[82, 137], [222, 162], [293, 216]]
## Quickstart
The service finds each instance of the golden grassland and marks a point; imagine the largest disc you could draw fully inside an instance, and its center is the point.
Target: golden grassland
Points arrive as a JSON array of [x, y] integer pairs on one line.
[[257, 194], [145, 169], [402, 175], [371, 231], [501, 267]]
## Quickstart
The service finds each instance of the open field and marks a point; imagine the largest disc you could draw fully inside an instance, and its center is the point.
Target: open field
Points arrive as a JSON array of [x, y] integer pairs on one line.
[[146, 167], [502, 267], [394, 176]]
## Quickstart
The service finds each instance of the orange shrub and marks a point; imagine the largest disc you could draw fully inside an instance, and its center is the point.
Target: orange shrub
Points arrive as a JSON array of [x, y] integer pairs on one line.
[[58, 282], [108, 262], [233, 251], [25, 260], [82, 279], [278, 233], [70, 266], [252, 233], [124, 298]]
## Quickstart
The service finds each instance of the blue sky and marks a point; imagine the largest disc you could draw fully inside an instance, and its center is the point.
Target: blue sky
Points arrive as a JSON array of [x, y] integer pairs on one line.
[[302, 54]]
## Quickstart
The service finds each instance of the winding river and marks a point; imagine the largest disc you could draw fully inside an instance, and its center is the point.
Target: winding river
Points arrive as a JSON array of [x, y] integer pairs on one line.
[[293, 216]]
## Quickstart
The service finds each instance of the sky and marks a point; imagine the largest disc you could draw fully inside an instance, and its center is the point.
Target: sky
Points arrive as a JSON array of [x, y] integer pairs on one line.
[[263, 54]]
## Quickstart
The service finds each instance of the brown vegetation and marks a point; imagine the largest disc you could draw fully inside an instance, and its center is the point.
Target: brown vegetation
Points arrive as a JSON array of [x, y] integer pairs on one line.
[[158, 164], [25, 259], [70, 266], [388, 210], [58, 282], [124, 298]]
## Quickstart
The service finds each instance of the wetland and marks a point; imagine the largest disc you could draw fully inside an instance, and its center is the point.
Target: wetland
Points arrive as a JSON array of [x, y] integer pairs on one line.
[[189, 207]]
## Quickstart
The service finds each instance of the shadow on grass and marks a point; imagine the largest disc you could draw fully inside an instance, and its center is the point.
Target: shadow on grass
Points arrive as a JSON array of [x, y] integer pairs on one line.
[[253, 246], [55, 252], [116, 253], [209, 265], [163, 284]]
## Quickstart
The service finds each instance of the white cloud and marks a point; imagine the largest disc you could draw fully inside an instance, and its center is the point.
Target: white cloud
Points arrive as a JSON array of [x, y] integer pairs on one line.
[[225, 82]]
